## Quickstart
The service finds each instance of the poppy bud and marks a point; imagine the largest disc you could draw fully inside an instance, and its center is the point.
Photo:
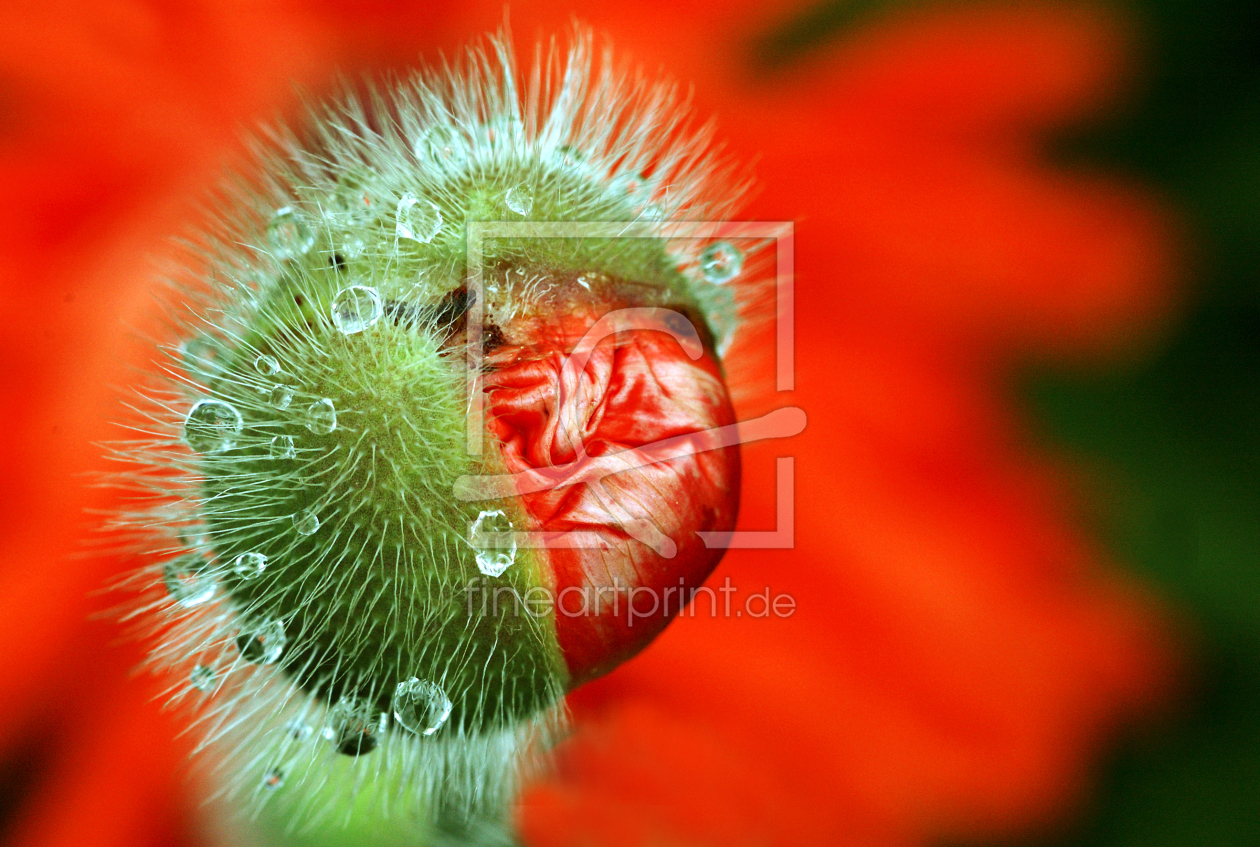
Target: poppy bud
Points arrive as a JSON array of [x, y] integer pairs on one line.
[[405, 494]]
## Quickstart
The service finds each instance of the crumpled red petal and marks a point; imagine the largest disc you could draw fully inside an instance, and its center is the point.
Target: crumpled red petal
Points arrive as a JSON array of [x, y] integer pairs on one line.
[[630, 391]]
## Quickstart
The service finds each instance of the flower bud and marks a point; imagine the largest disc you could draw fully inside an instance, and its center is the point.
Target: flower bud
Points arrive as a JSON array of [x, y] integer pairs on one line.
[[435, 448]]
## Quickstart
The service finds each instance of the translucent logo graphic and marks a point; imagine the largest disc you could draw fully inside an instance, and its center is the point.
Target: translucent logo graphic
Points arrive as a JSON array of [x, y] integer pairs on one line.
[[584, 469]]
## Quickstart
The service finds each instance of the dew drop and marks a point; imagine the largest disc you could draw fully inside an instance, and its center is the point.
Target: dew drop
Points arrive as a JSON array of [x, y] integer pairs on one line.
[[249, 565], [520, 199], [262, 643], [352, 246], [267, 365], [202, 357], [321, 417], [212, 426], [306, 523], [298, 730], [281, 396], [721, 262], [419, 220], [282, 447], [494, 555], [193, 536], [188, 579], [353, 727], [288, 234], [441, 144], [202, 678], [273, 779], [421, 706], [356, 308]]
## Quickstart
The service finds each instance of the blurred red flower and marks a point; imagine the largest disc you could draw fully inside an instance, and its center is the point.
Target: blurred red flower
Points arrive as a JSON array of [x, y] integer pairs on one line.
[[959, 648]]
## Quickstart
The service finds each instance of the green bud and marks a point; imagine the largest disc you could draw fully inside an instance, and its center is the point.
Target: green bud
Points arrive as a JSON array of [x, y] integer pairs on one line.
[[316, 563]]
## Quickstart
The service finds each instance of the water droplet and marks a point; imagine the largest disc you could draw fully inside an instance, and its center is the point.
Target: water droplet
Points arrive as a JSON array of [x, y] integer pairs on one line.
[[267, 365], [202, 678], [282, 447], [249, 565], [353, 726], [417, 219], [194, 536], [188, 579], [306, 523], [281, 396], [212, 426], [288, 234], [520, 199], [262, 643], [321, 417], [352, 246], [421, 706], [297, 730], [720, 262], [356, 308], [352, 201], [273, 779], [202, 357], [441, 144], [494, 555]]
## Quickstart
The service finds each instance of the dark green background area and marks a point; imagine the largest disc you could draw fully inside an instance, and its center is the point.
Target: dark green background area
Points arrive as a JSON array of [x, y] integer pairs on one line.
[[1172, 441], [1176, 439]]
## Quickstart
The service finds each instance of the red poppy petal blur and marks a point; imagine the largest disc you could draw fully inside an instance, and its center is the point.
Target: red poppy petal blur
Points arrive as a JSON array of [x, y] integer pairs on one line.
[[957, 649], [943, 209], [115, 114]]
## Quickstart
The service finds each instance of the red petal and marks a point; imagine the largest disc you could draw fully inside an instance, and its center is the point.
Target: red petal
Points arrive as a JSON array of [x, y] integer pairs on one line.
[[636, 389]]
